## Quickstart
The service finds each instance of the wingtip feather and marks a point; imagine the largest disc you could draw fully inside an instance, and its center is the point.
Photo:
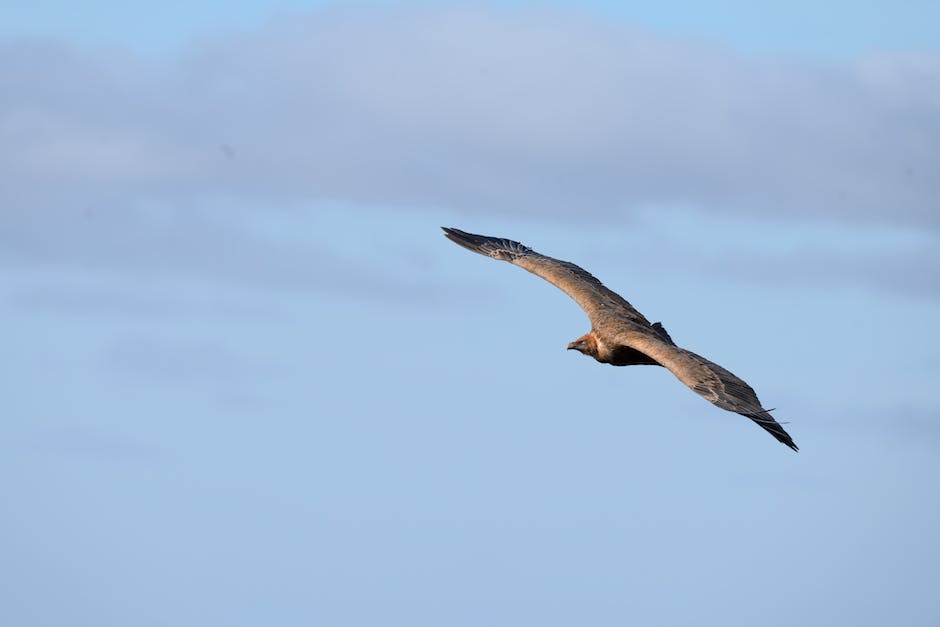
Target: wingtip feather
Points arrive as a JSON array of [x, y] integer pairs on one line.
[[496, 247]]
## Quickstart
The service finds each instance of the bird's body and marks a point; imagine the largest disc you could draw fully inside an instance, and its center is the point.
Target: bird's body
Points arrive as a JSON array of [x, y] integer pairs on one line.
[[622, 336]]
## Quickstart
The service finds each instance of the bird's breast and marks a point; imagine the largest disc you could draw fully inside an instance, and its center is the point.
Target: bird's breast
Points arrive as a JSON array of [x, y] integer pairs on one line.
[[625, 356]]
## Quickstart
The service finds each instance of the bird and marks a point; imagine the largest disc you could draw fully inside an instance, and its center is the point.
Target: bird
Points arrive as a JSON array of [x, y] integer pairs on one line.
[[621, 336]]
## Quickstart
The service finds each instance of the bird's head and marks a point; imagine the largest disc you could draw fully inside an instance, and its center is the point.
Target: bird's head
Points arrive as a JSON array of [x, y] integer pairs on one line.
[[585, 344]]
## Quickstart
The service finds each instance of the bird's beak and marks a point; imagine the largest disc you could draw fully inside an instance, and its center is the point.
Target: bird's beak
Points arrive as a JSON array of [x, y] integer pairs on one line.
[[572, 345]]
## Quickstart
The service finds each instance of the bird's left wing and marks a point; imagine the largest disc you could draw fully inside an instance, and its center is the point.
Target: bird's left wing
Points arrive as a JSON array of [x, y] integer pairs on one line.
[[708, 380], [596, 300]]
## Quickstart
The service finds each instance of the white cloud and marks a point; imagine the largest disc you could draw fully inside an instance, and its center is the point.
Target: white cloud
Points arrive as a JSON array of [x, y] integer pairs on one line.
[[526, 113]]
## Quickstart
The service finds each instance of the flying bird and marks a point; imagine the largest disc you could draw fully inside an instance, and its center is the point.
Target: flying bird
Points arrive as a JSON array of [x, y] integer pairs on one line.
[[622, 336]]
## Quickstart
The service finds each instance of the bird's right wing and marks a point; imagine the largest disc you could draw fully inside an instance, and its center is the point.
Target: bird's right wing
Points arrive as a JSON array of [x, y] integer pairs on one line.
[[708, 380], [597, 301]]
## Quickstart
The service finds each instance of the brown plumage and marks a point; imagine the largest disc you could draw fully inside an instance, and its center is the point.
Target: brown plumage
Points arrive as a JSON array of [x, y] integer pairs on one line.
[[621, 336]]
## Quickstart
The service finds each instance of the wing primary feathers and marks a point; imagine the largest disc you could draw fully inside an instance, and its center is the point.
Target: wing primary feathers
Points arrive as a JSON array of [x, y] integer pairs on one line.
[[496, 247], [773, 427]]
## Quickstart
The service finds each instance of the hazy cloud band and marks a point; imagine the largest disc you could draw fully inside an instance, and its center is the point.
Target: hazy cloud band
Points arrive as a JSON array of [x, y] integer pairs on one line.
[[536, 113]]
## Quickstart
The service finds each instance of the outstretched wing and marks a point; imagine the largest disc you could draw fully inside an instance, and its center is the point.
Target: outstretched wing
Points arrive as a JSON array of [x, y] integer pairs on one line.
[[708, 380], [596, 300]]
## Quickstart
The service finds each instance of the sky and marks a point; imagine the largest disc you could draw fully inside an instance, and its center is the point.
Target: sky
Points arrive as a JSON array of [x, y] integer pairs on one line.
[[249, 382]]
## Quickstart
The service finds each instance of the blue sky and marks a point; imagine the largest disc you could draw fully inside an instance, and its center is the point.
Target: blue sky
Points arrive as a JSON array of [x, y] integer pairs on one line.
[[247, 380], [835, 29]]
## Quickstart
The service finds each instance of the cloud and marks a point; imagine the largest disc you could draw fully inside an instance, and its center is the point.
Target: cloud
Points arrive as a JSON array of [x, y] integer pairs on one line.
[[913, 273], [179, 361], [907, 273], [184, 243], [523, 113], [64, 295], [100, 445], [916, 421]]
